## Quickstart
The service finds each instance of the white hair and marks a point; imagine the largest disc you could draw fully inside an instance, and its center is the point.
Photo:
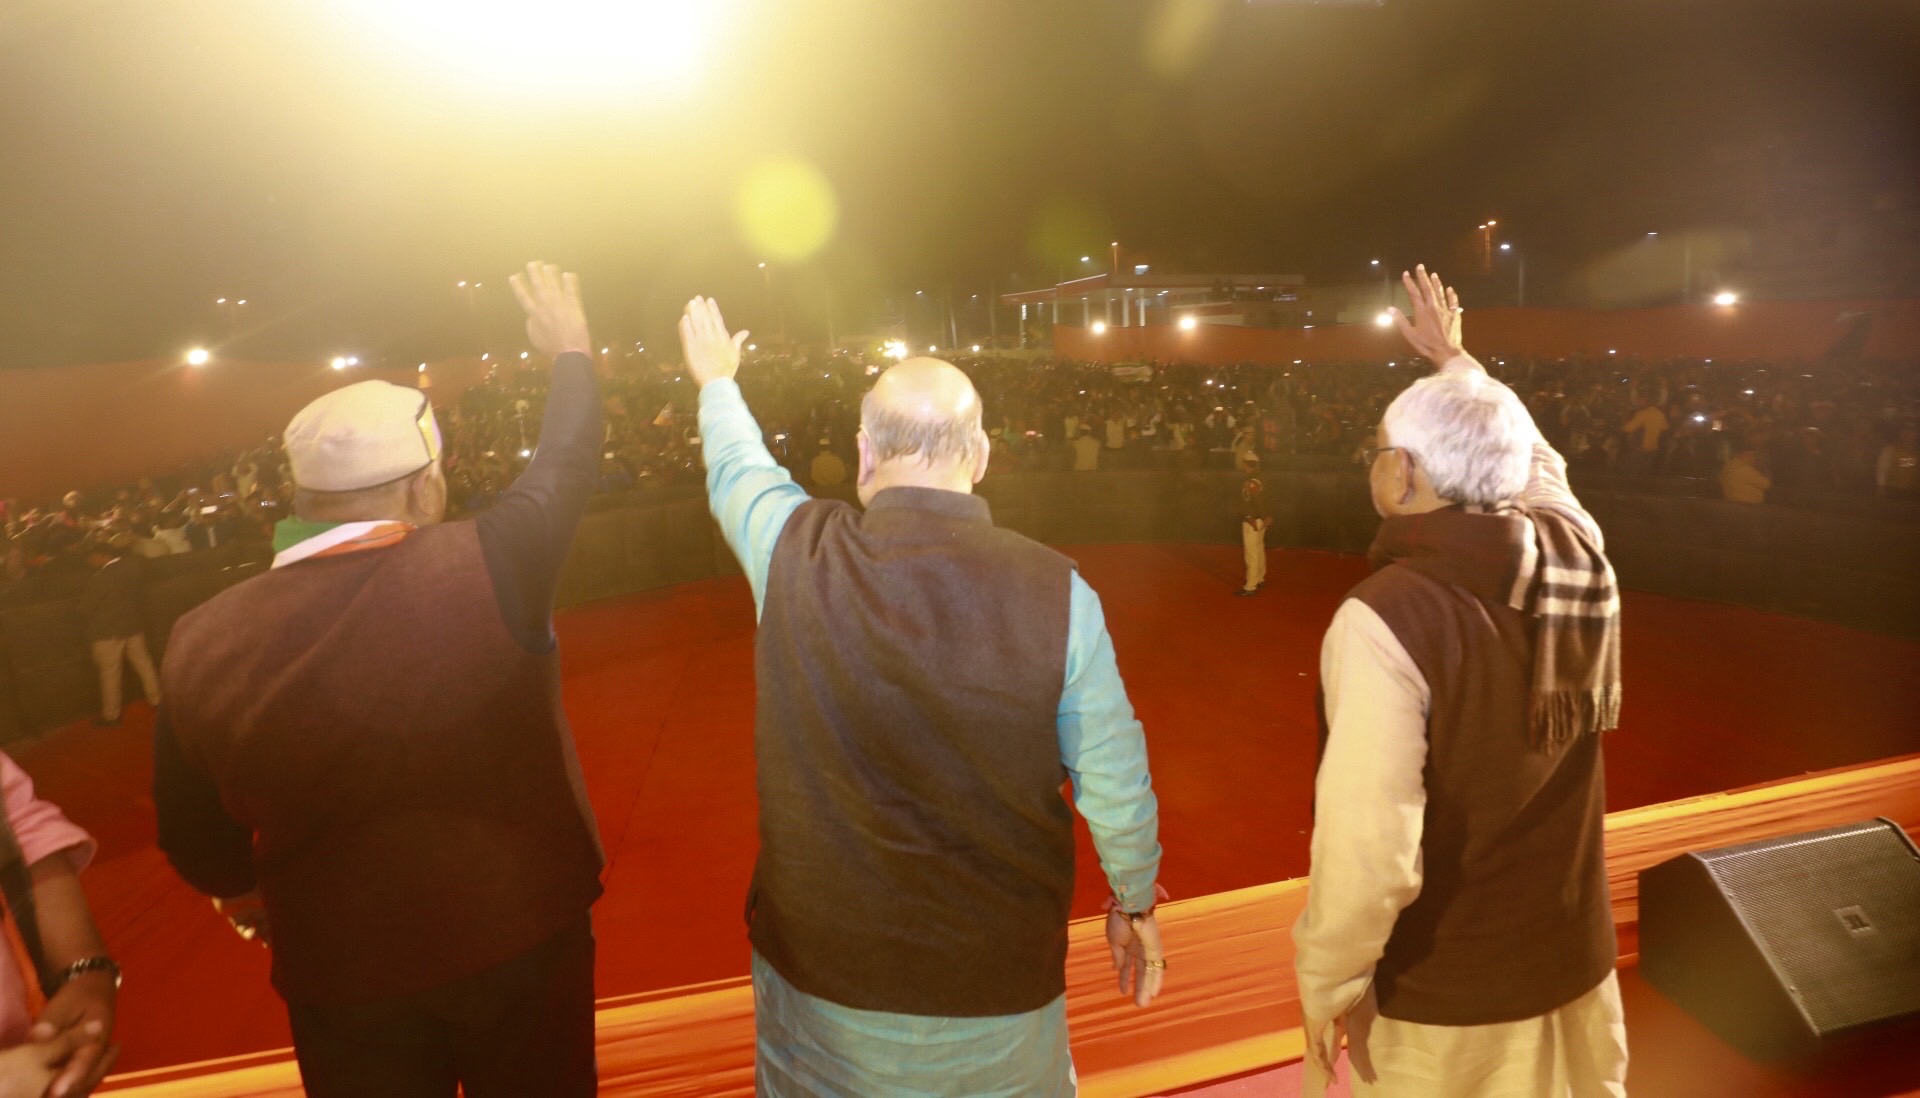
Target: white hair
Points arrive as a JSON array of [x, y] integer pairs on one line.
[[1469, 432]]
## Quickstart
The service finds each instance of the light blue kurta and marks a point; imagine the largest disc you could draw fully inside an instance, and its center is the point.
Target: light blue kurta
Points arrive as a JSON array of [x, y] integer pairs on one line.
[[810, 1046]]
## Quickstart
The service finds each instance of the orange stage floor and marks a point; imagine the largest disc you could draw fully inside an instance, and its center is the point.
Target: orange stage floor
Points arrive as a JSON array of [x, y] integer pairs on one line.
[[659, 687]]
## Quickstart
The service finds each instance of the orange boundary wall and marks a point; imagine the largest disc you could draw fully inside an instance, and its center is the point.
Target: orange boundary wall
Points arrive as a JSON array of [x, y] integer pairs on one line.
[[1230, 1008], [64, 427], [1778, 330]]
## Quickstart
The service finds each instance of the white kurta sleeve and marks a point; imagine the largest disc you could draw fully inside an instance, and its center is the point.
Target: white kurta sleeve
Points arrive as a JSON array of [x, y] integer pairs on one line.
[[1370, 803]]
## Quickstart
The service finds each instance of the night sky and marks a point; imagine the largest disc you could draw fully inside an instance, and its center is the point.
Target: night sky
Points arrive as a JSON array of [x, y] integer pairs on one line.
[[162, 153]]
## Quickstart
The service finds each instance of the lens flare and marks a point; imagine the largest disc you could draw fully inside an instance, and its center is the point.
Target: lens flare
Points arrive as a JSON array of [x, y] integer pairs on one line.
[[787, 209]]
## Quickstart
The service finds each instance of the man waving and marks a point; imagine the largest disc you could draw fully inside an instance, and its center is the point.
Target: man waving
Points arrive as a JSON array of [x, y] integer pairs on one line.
[[926, 681]]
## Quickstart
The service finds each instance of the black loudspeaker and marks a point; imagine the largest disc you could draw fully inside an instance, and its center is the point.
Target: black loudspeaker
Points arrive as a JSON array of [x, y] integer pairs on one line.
[[1784, 945]]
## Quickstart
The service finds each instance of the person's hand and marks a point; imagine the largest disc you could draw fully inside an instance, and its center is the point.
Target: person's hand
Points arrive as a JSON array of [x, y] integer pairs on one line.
[[1324, 1036], [710, 353], [27, 1071], [75, 1034], [556, 322], [248, 914], [1434, 329], [1137, 955]]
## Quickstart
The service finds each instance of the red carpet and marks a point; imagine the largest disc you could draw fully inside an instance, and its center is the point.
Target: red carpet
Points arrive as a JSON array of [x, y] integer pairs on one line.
[[659, 687]]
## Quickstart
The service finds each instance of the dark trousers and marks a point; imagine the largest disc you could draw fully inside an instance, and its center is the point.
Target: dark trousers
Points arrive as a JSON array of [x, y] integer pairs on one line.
[[524, 1027]]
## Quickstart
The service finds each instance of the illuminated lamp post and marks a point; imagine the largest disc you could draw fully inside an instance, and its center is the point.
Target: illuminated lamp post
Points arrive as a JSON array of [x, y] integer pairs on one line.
[[1520, 289]]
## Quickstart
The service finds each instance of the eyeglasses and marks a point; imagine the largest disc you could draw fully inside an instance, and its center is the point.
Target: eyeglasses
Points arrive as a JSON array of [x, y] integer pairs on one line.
[[1367, 455]]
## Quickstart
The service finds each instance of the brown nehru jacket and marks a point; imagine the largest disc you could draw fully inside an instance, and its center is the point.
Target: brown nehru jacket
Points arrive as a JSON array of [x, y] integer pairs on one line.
[[1513, 918], [404, 762]]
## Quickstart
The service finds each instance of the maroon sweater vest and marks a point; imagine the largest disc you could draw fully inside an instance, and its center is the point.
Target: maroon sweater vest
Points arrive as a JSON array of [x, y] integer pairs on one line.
[[916, 854], [405, 765], [1513, 918]]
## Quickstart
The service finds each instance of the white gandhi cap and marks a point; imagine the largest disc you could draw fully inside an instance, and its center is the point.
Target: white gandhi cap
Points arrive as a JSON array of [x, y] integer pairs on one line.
[[360, 436]]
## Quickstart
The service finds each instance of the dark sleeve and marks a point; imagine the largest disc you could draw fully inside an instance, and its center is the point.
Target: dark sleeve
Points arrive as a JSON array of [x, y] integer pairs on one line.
[[210, 850], [525, 536]]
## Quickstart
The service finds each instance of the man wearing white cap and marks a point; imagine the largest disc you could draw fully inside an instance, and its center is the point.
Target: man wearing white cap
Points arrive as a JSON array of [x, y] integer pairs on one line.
[[364, 758]]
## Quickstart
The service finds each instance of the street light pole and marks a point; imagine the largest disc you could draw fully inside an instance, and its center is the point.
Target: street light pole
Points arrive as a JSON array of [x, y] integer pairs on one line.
[[1520, 291]]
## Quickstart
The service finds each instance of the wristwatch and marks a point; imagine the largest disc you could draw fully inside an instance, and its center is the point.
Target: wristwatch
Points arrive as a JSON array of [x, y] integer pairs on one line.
[[83, 966]]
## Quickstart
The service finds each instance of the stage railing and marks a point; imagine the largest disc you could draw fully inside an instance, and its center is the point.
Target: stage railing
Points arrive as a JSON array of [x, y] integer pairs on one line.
[[1858, 568]]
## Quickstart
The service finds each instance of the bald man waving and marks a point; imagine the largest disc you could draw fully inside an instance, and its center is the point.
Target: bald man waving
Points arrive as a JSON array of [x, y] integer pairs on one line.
[[926, 682]]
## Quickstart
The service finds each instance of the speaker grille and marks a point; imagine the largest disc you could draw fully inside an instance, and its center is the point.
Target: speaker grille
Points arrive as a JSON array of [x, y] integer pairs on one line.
[[1838, 914]]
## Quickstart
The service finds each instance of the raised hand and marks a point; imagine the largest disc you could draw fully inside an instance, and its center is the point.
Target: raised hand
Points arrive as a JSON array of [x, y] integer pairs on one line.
[[1138, 956], [556, 322], [710, 352], [1434, 329]]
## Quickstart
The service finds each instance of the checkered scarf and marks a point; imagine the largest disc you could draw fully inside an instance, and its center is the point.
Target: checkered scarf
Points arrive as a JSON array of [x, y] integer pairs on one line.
[[1542, 564]]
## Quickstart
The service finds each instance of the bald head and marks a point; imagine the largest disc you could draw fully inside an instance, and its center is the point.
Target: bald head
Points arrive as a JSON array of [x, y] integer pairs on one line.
[[923, 409], [920, 426]]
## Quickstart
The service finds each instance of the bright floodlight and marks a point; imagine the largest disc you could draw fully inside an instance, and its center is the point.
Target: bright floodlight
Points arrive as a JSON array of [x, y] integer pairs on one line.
[[1726, 297], [338, 363], [588, 46], [1189, 323], [976, 348], [1099, 327], [219, 301], [1086, 259], [1506, 247], [1383, 319], [198, 356], [931, 348], [523, 356], [1373, 263]]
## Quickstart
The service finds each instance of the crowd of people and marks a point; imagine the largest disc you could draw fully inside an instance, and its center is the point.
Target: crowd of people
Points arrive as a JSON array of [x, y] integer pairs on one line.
[[1836, 429]]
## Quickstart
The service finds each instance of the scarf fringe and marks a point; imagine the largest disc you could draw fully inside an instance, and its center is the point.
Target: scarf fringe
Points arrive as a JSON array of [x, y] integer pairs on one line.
[[1563, 716]]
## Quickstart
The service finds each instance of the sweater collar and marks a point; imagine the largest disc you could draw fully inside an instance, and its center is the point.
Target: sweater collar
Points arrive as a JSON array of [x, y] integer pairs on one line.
[[964, 506], [1480, 551]]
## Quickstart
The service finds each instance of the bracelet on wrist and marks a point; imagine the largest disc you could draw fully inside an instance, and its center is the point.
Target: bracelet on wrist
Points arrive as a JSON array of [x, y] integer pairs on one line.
[[83, 966]]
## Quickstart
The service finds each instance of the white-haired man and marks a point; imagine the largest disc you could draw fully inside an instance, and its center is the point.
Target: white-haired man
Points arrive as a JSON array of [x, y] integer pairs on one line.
[[1458, 924], [926, 682]]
